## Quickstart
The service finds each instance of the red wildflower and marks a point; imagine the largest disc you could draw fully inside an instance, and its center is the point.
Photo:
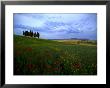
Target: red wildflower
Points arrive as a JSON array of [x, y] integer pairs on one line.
[[30, 59], [56, 62], [29, 49], [18, 53], [48, 66], [56, 69], [30, 66], [77, 65], [48, 54]]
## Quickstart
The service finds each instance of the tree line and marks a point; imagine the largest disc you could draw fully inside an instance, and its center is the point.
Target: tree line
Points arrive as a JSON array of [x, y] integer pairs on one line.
[[31, 34]]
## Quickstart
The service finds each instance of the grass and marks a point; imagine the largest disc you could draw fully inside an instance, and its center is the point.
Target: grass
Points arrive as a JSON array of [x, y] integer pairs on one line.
[[34, 56]]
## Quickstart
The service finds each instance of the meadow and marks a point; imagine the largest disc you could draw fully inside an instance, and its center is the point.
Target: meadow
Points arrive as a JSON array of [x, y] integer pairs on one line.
[[34, 56]]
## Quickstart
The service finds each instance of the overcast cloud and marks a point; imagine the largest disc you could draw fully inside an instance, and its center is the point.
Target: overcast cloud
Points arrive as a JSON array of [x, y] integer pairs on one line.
[[57, 26]]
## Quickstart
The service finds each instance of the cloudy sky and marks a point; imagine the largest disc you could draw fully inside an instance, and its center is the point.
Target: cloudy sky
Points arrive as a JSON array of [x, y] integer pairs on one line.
[[57, 26]]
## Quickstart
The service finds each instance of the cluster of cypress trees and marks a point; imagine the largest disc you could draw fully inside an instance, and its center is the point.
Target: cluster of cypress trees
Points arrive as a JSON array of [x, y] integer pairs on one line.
[[31, 34]]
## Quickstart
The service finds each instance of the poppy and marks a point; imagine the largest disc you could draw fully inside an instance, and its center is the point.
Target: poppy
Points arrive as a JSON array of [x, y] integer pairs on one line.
[[29, 49], [77, 65]]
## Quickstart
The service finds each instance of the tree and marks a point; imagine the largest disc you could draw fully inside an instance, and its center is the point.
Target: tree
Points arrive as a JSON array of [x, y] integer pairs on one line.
[[38, 34], [35, 35], [23, 33], [31, 34]]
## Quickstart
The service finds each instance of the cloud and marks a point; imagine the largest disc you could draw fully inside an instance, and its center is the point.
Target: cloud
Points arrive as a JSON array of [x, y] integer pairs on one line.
[[58, 25]]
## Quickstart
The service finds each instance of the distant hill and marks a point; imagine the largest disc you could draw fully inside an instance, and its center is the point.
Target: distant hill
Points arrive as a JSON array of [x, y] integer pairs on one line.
[[79, 39], [70, 39]]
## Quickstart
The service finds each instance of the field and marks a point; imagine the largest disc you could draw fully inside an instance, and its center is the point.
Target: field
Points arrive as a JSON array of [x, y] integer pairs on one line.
[[34, 56]]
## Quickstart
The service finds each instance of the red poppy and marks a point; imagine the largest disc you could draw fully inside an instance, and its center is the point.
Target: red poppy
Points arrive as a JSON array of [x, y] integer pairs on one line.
[[56, 62], [56, 69], [49, 54], [77, 65], [30, 66], [30, 59], [48, 66], [29, 49], [18, 53]]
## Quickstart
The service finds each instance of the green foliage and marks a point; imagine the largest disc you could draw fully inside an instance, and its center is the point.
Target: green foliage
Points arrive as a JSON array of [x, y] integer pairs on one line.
[[34, 56]]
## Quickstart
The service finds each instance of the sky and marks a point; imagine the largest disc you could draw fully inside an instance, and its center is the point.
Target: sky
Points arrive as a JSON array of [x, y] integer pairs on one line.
[[57, 25]]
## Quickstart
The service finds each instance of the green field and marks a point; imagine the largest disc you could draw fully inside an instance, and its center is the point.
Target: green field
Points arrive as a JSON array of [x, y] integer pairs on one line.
[[34, 56]]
